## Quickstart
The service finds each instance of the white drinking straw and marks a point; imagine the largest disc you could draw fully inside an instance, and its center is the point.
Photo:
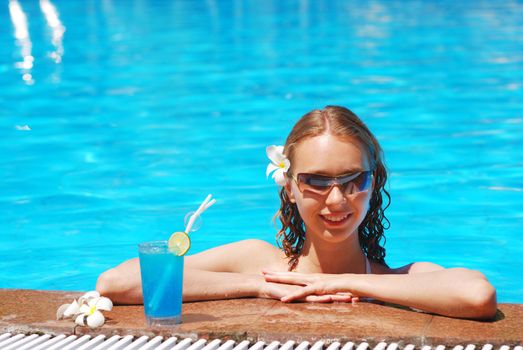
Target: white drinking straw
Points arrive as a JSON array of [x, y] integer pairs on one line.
[[206, 204]]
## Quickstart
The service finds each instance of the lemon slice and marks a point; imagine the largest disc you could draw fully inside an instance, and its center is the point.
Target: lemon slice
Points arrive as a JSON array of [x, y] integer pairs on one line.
[[179, 243]]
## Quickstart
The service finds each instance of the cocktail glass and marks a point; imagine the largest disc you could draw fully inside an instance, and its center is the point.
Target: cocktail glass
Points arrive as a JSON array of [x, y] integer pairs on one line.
[[162, 283]]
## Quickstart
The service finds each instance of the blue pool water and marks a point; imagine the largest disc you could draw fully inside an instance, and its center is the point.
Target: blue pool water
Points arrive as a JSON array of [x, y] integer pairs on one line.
[[130, 112]]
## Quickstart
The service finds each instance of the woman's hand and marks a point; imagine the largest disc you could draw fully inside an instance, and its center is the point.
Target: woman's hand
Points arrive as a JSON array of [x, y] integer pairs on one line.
[[290, 286]]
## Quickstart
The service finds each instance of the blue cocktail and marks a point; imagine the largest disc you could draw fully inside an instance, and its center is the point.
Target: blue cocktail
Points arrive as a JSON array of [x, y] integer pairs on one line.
[[162, 283]]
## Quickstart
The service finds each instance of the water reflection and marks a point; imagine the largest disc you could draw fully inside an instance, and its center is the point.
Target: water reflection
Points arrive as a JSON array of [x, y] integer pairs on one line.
[[23, 40], [57, 28]]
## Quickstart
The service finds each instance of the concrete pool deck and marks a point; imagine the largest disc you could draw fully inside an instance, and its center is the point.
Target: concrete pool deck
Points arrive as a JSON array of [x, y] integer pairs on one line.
[[31, 311]]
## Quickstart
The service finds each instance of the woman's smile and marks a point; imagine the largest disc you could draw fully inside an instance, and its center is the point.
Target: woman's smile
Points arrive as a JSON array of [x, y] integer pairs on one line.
[[335, 220]]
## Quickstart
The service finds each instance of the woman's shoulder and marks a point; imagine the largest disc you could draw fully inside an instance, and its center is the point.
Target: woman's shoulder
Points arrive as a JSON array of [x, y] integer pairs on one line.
[[252, 246], [246, 256], [262, 255], [416, 267]]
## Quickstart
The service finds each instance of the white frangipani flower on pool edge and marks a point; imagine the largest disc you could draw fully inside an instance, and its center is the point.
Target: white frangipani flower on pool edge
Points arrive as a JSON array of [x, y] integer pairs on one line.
[[86, 311], [279, 164]]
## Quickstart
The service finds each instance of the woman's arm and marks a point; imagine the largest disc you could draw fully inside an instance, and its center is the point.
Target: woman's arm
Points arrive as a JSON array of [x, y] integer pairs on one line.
[[453, 292], [213, 274], [123, 284], [225, 272]]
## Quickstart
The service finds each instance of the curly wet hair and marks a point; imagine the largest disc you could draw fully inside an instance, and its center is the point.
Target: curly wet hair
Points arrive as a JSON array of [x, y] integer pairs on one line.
[[343, 123]]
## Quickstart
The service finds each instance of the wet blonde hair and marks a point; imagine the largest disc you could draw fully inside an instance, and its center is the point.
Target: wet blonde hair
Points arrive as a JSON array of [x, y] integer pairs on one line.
[[340, 122]]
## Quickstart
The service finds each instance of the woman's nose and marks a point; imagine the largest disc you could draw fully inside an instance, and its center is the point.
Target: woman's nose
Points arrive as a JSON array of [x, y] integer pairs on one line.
[[335, 196]]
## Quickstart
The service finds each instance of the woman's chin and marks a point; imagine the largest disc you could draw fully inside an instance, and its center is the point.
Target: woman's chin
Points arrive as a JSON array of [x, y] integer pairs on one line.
[[338, 236]]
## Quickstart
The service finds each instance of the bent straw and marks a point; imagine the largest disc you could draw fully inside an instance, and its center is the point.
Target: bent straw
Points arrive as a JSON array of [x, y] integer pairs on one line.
[[206, 204], [157, 294]]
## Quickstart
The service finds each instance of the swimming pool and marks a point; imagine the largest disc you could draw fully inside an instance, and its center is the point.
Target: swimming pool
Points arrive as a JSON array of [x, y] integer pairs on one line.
[[131, 112]]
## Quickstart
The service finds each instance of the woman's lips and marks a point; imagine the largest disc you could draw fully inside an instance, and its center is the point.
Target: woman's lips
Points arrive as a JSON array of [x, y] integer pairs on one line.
[[335, 220]]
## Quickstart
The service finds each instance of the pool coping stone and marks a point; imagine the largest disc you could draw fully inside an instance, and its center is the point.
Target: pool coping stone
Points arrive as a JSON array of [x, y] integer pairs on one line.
[[34, 311]]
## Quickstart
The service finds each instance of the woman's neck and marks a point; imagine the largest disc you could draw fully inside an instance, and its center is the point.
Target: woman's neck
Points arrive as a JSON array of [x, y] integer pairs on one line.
[[320, 256]]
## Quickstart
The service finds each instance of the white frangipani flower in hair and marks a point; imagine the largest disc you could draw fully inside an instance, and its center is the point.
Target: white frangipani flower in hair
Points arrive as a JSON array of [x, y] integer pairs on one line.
[[86, 311], [279, 164]]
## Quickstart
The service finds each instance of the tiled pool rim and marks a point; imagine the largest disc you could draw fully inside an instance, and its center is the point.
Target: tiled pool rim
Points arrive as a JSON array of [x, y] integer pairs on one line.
[[30, 311]]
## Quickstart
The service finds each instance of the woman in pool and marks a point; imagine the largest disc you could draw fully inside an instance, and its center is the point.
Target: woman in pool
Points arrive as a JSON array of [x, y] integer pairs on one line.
[[332, 215]]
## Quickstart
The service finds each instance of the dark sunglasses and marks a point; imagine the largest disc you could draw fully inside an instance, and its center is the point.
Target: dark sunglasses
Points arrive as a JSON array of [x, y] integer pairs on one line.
[[349, 184]]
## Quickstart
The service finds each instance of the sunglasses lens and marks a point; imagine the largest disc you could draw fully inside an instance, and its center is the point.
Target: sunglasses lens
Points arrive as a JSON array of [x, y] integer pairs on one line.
[[322, 184], [314, 183], [360, 182]]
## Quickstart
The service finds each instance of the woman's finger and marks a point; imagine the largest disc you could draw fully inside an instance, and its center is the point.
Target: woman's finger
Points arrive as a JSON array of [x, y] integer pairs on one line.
[[286, 274], [281, 273], [342, 298], [311, 294], [328, 298], [319, 298], [286, 277], [301, 293], [285, 280]]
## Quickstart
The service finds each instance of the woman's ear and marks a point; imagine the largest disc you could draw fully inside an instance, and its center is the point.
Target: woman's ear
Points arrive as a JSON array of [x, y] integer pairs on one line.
[[288, 189]]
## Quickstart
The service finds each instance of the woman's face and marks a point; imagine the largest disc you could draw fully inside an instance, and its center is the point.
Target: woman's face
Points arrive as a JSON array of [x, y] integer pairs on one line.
[[332, 216]]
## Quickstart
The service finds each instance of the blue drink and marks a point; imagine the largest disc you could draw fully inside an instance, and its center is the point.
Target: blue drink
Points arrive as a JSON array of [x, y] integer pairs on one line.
[[162, 283]]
